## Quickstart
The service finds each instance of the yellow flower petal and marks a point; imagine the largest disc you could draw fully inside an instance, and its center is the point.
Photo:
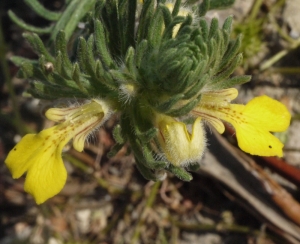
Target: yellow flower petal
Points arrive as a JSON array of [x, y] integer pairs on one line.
[[257, 141], [59, 114], [40, 156], [86, 129], [18, 159], [253, 123], [85, 118], [212, 101], [47, 177], [268, 113], [216, 123], [261, 116], [181, 147], [220, 97]]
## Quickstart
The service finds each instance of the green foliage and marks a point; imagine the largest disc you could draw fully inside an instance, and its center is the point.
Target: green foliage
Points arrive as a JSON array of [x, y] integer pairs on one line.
[[67, 20], [252, 42], [216, 4], [251, 28], [159, 62]]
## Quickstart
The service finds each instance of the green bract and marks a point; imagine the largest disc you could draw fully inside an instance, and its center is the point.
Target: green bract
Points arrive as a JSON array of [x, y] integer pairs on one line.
[[141, 57]]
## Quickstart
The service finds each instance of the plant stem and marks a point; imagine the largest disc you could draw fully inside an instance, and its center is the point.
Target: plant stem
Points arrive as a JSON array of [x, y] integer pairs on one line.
[[255, 9], [148, 205], [268, 63], [285, 70]]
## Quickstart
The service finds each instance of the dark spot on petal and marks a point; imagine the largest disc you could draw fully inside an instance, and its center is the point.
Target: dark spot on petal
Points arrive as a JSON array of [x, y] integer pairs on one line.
[[270, 146], [15, 149]]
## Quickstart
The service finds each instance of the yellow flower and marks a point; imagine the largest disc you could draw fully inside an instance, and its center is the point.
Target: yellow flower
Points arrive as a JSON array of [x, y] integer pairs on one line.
[[179, 146], [40, 154], [253, 122]]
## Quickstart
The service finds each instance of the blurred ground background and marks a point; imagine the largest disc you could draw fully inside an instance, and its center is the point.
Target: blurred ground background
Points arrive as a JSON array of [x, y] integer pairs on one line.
[[232, 199]]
